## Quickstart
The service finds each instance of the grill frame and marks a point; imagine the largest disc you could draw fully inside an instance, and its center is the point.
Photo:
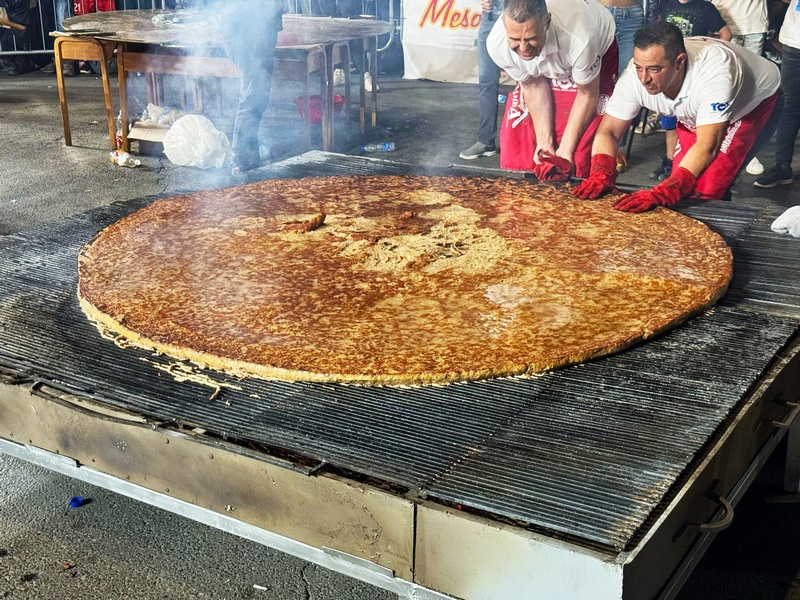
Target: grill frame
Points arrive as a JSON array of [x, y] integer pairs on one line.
[[445, 444]]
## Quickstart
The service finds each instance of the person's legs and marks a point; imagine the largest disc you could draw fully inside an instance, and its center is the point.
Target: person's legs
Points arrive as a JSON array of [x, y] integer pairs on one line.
[[255, 73], [753, 42], [488, 90], [251, 46], [628, 20], [488, 85], [668, 124], [789, 124]]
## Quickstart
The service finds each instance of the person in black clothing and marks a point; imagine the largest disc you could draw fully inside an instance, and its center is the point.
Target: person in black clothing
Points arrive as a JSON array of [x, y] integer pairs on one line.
[[17, 11], [695, 17]]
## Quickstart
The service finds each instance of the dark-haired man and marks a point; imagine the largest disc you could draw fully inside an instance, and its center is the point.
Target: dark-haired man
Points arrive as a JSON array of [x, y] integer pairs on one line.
[[565, 58], [723, 96]]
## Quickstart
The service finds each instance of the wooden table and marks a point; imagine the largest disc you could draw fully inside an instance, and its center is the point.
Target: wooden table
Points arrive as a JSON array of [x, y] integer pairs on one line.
[[188, 43]]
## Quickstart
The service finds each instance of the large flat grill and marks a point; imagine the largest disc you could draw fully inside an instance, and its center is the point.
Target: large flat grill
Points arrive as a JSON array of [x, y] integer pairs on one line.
[[589, 451]]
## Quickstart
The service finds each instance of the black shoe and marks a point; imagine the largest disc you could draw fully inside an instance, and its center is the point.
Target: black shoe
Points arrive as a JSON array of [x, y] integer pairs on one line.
[[663, 171], [68, 69], [777, 175], [21, 69]]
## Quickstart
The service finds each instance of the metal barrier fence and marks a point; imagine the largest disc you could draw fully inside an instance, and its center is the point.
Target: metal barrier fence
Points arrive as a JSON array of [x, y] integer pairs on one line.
[[40, 17]]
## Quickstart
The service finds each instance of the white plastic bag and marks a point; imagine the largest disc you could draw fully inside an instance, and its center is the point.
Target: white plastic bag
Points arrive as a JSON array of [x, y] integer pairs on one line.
[[788, 222], [193, 141]]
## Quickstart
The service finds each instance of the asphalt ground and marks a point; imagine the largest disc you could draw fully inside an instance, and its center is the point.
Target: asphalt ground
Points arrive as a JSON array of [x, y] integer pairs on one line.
[[115, 547]]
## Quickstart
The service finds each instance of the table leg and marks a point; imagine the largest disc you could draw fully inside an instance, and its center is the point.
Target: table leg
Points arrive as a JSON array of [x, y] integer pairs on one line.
[[123, 98], [108, 52], [62, 94], [373, 71], [328, 124]]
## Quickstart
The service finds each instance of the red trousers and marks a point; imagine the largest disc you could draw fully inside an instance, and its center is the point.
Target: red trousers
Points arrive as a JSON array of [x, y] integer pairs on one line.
[[517, 137], [741, 135], [84, 7]]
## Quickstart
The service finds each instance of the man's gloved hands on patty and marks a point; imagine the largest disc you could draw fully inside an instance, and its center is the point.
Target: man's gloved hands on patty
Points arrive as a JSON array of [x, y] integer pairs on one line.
[[670, 191], [602, 177], [552, 167]]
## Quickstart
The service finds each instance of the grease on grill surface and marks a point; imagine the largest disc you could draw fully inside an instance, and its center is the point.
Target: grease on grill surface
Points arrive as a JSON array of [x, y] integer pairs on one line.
[[396, 279]]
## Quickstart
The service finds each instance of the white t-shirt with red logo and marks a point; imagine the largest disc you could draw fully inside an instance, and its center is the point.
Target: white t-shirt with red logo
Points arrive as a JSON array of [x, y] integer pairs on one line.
[[724, 82], [580, 32]]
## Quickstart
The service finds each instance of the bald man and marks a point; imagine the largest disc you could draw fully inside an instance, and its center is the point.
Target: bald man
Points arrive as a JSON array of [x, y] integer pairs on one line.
[[564, 57]]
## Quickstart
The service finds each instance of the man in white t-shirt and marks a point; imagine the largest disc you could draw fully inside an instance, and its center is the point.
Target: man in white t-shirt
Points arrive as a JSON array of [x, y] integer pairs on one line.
[[564, 56], [723, 96]]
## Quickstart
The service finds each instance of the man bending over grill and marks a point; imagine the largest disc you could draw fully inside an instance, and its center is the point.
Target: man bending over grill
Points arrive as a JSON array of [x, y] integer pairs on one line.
[[565, 58], [725, 97]]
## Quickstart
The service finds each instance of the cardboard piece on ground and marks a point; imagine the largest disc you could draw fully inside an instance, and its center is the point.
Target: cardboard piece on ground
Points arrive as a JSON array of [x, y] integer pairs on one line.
[[149, 132], [149, 136]]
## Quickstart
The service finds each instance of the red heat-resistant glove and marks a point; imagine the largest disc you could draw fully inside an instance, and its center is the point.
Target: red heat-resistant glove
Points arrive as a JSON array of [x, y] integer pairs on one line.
[[552, 168], [601, 179], [670, 191]]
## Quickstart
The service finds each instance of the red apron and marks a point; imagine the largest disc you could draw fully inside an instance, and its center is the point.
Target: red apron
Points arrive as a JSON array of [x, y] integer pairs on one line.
[[740, 137], [517, 137]]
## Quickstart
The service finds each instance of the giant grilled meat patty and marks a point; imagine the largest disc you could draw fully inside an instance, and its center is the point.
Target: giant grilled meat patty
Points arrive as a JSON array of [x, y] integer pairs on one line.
[[396, 279]]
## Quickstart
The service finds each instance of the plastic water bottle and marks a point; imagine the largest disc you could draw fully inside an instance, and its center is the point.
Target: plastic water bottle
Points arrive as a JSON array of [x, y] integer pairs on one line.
[[123, 159], [382, 147]]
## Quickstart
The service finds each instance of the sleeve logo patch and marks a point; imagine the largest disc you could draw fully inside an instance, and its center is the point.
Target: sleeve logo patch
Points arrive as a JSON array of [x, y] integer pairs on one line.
[[719, 106]]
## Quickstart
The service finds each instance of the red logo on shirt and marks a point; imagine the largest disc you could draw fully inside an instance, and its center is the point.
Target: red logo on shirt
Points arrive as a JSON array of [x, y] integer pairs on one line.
[[447, 18]]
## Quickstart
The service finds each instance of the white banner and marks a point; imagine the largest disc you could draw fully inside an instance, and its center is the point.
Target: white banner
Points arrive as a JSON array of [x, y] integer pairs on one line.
[[439, 39]]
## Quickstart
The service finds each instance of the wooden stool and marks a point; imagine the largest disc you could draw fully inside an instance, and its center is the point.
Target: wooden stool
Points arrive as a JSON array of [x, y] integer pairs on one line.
[[369, 56], [85, 48]]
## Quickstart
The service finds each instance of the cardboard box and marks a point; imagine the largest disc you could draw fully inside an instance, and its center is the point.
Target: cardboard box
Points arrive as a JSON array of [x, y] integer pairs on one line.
[[149, 136]]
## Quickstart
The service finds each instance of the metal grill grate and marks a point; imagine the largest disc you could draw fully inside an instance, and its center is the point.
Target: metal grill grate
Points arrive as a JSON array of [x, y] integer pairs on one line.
[[587, 451]]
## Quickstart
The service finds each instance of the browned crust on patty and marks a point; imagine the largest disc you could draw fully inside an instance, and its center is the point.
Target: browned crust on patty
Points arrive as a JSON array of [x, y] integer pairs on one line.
[[396, 279]]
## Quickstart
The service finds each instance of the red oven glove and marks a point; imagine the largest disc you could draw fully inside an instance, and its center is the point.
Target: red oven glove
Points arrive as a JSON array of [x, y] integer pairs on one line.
[[601, 179], [670, 191], [552, 168]]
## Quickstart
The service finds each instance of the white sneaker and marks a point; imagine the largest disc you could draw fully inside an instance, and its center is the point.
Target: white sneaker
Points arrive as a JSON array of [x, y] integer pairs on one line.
[[755, 167], [368, 83], [338, 76]]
